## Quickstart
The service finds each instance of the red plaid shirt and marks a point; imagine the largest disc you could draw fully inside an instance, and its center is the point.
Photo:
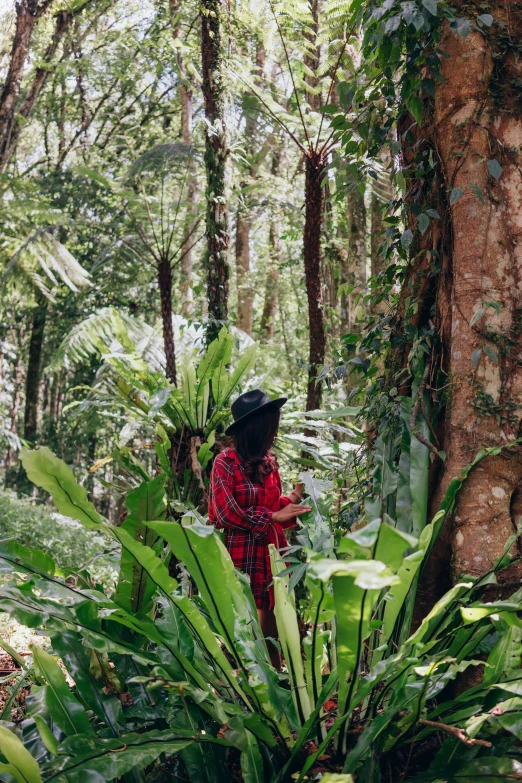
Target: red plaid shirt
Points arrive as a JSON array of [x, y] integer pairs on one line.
[[244, 510]]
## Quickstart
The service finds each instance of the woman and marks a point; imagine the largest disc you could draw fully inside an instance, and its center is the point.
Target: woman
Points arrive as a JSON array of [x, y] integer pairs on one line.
[[246, 499]]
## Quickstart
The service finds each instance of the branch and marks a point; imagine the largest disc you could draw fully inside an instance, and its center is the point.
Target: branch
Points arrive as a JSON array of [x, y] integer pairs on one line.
[[454, 731], [291, 74], [273, 114]]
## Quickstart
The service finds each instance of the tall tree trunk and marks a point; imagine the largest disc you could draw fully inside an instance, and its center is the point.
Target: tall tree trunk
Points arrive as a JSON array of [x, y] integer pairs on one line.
[[15, 407], [314, 203], [27, 14], [216, 154], [34, 369], [477, 129], [185, 99], [63, 19], [268, 317], [165, 288], [25, 21], [382, 193], [353, 269], [245, 293]]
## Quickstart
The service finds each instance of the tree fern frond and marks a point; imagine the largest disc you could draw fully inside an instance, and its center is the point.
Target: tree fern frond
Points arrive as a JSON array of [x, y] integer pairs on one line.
[[163, 157], [42, 252]]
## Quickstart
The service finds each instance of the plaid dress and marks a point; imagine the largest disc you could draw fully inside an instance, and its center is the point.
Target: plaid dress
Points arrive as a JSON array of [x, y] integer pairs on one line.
[[244, 510]]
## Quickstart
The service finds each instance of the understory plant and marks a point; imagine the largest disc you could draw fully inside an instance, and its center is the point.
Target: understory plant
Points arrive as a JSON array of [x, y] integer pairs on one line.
[[169, 680]]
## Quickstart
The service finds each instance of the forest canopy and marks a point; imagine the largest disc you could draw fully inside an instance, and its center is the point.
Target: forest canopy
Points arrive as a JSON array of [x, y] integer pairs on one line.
[[322, 199]]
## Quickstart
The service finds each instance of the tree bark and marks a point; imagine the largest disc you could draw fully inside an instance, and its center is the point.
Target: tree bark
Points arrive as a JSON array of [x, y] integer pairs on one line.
[[15, 407], [476, 122], [165, 289], [27, 14], [353, 262], [314, 204], [268, 317], [216, 155], [245, 293], [41, 75], [34, 369], [185, 98], [382, 193]]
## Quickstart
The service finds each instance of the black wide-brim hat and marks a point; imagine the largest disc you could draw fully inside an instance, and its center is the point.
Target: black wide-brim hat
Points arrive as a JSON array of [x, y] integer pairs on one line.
[[248, 404]]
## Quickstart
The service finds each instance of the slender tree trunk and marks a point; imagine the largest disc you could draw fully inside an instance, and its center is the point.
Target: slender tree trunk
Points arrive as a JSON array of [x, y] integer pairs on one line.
[[34, 369], [353, 269], [382, 193], [15, 407], [41, 75], [475, 123], [216, 155], [268, 317], [245, 293], [314, 201], [25, 20], [185, 98], [165, 288]]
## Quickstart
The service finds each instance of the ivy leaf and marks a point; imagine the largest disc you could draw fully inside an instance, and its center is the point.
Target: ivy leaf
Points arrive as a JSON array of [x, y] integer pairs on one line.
[[494, 168], [407, 239], [475, 356], [486, 19], [476, 316], [491, 354], [455, 194], [433, 213], [463, 28], [423, 222], [478, 193], [415, 106], [431, 5]]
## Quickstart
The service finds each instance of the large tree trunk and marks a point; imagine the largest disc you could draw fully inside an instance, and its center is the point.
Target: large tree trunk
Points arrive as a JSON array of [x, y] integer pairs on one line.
[[245, 292], [476, 122], [185, 99], [314, 203], [34, 369], [41, 75], [216, 154], [165, 288]]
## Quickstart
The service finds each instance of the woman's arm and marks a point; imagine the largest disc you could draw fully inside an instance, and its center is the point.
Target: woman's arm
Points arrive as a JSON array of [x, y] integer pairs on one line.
[[229, 514]]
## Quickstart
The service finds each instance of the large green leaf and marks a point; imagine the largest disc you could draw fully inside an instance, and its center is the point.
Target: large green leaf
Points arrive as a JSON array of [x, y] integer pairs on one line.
[[69, 646], [492, 770], [356, 587], [21, 765], [288, 629], [244, 365], [211, 567], [102, 760], [65, 708], [52, 474], [135, 589]]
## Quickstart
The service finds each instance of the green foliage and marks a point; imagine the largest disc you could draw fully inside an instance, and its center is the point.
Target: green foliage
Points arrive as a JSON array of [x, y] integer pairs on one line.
[[39, 527], [197, 682]]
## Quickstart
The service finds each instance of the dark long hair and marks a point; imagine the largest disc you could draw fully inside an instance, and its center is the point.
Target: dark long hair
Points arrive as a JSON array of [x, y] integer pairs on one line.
[[253, 441]]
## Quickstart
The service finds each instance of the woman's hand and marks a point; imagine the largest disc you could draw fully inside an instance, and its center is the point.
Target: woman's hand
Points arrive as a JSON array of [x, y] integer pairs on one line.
[[297, 493], [290, 512]]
